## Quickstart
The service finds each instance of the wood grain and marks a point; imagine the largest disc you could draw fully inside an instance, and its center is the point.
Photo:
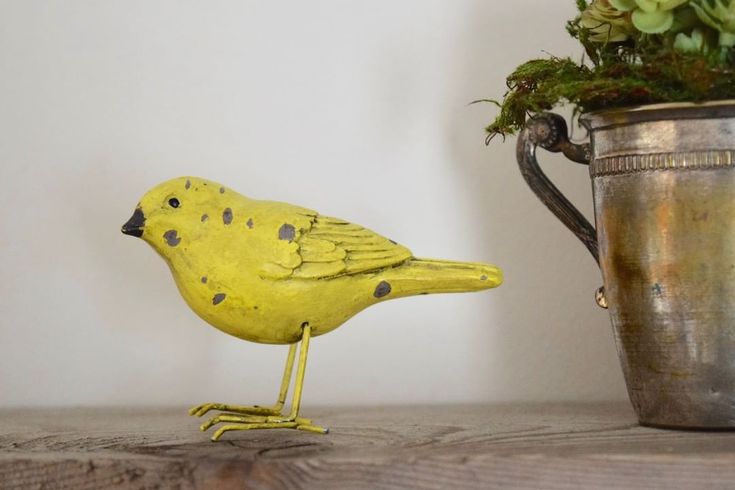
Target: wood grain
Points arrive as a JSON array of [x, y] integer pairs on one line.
[[560, 446]]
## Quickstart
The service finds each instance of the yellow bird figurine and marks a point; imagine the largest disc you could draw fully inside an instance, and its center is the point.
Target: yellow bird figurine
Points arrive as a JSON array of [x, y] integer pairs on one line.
[[275, 273]]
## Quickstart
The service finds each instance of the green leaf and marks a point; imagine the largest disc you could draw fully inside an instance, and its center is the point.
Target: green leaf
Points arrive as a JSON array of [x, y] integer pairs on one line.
[[671, 4], [647, 5], [653, 22], [689, 44], [703, 16], [623, 5], [727, 39]]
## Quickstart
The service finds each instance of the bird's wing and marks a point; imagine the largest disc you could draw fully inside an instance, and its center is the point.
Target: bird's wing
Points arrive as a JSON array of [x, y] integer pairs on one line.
[[322, 247]]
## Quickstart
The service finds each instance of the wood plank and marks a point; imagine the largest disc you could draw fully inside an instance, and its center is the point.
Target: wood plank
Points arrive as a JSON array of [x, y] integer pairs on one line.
[[558, 446]]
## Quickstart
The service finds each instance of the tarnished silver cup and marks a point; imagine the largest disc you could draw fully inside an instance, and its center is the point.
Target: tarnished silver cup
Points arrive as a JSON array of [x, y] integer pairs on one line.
[[663, 181]]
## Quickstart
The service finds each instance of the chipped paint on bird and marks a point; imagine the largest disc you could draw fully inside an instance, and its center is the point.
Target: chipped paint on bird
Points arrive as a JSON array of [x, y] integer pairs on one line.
[[382, 289], [187, 185], [287, 232], [171, 238], [227, 216], [295, 264]]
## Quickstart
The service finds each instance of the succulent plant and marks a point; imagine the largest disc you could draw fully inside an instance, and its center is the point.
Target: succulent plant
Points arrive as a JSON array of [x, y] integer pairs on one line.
[[650, 16], [636, 52], [606, 23], [693, 43], [720, 16]]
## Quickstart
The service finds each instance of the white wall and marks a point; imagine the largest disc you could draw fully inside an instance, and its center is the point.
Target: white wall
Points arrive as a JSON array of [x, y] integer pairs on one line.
[[356, 109]]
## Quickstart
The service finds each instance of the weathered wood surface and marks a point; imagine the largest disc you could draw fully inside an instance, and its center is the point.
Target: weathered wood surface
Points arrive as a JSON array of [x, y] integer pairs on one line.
[[511, 446]]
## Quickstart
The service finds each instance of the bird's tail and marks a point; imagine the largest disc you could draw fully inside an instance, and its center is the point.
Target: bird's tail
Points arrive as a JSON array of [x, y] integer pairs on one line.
[[428, 276]]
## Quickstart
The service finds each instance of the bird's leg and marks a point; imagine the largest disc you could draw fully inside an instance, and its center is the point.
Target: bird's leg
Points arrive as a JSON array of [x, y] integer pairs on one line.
[[200, 410], [292, 421]]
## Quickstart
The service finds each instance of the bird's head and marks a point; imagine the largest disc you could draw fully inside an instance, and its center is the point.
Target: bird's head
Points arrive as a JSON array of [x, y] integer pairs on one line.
[[167, 216]]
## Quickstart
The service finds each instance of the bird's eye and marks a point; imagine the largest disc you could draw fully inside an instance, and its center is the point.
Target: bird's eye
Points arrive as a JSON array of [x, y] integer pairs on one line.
[[174, 203]]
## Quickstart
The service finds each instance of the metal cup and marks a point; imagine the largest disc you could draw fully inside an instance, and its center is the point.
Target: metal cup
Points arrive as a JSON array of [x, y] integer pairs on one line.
[[663, 180]]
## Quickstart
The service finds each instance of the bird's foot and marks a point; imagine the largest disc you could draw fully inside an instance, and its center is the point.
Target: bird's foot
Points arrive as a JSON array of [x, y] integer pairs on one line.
[[202, 409], [241, 417], [252, 422]]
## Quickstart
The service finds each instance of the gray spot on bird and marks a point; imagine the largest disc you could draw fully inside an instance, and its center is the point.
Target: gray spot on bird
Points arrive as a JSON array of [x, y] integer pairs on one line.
[[204, 218], [221, 190], [218, 298], [171, 238], [187, 185], [227, 216], [204, 279], [250, 223], [287, 232], [382, 289], [483, 277]]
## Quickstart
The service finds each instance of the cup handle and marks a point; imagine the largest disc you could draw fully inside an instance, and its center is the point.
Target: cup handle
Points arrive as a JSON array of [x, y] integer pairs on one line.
[[549, 131]]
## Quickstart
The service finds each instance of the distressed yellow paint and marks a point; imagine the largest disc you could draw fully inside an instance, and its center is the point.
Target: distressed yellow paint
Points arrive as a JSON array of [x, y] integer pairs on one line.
[[268, 272]]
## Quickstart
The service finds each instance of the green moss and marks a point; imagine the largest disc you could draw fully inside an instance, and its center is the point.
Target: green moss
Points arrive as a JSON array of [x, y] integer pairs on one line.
[[540, 85]]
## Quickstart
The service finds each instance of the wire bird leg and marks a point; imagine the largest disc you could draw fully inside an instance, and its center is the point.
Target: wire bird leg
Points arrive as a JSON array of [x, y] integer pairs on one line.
[[240, 417], [276, 409]]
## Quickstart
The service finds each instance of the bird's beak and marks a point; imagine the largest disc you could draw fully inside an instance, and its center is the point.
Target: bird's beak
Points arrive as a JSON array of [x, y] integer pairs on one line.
[[134, 226]]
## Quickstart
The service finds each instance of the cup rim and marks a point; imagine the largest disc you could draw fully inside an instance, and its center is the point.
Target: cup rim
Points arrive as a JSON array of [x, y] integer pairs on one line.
[[714, 109]]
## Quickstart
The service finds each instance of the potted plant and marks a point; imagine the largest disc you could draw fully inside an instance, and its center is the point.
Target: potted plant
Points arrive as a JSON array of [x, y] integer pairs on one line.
[[655, 90]]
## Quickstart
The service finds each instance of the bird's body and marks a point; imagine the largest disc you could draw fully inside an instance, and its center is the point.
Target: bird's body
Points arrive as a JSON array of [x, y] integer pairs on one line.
[[264, 271]]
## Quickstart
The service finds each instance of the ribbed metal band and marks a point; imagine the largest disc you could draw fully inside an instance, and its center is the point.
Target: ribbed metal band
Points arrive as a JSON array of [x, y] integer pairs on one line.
[[626, 164]]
